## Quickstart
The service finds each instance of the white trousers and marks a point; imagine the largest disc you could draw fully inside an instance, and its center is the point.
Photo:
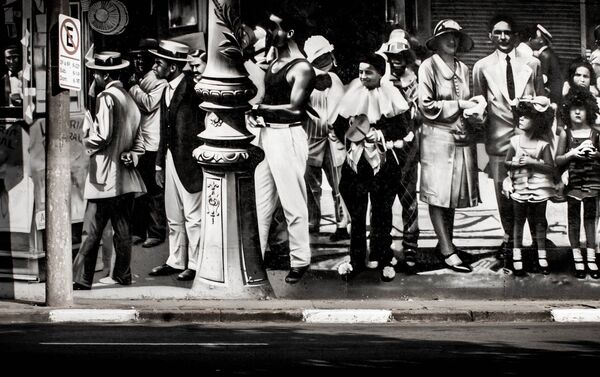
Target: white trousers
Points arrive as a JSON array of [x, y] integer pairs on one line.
[[281, 176], [184, 217]]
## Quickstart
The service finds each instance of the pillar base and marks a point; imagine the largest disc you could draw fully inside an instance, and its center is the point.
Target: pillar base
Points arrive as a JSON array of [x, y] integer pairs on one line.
[[231, 263]]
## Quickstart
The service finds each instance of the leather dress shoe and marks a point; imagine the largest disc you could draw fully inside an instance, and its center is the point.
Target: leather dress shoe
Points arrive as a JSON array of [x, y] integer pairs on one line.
[[80, 287], [340, 234], [458, 267], [164, 270], [151, 242], [410, 261], [136, 240], [295, 274], [187, 275]]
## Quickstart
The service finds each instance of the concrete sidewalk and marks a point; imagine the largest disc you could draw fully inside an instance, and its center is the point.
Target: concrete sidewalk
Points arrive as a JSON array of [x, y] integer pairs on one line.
[[302, 311], [489, 293]]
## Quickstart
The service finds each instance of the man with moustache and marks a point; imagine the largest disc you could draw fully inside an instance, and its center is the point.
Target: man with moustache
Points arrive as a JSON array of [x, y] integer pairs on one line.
[[501, 77]]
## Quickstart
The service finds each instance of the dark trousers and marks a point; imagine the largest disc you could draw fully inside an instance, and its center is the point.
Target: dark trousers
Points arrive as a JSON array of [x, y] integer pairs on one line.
[[505, 210], [97, 213], [404, 178], [355, 188], [149, 209], [535, 215], [589, 221]]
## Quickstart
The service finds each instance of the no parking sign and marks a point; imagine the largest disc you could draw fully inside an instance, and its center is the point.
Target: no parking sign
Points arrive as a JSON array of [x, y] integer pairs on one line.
[[69, 53]]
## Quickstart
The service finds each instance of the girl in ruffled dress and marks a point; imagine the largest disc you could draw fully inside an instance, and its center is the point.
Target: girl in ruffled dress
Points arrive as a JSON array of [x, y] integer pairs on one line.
[[530, 165], [577, 150]]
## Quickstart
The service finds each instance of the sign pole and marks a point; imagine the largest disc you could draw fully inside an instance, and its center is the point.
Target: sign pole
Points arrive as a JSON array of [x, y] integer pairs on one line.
[[59, 281]]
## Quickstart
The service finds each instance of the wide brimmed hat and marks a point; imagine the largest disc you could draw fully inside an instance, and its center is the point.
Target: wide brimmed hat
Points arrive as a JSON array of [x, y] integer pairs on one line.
[[144, 45], [107, 61], [172, 51], [450, 26], [531, 105], [359, 128]]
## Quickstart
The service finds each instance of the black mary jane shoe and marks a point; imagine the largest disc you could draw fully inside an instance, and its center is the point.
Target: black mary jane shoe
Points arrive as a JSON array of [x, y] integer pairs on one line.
[[461, 267], [579, 272], [518, 271], [410, 261], [594, 273], [544, 270]]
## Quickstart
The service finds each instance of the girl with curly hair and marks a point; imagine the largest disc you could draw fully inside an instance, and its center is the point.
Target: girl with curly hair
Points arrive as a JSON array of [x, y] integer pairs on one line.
[[581, 74], [530, 166], [577, 150]]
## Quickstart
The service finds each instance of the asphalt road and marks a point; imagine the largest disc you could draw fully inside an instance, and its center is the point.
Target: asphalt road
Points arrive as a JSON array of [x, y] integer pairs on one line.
[[272, 349]]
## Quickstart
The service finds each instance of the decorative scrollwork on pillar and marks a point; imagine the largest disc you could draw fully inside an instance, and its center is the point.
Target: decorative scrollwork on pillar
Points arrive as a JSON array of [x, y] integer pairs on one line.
[[213, 199]]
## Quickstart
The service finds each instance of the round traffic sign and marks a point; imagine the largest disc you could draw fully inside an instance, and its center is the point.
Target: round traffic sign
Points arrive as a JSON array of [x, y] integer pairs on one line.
[[69, 37]]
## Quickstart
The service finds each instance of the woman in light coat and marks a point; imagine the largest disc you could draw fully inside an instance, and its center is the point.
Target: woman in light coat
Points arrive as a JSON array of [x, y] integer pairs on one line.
[[448, 159]]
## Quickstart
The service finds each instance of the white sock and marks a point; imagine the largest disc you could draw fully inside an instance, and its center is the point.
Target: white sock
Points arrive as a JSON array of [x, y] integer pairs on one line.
[[542, 258], [578, 259], [591, 259], [517, 259]]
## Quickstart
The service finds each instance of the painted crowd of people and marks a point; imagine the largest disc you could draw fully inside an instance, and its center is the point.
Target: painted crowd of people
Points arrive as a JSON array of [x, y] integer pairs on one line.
[[405, 120]]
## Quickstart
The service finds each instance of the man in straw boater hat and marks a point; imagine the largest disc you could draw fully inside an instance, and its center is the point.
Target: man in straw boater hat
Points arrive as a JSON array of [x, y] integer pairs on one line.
[[112, 180], [141, 60], [176, 170], [149, 210]]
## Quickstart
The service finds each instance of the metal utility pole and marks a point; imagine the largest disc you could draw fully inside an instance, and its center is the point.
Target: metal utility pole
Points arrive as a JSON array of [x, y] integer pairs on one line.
[[231, 262], [59, 288]]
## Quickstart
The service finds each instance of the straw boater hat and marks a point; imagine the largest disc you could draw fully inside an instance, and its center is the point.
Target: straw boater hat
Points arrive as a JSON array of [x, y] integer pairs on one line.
[[172, 51], [107, 61], [450, 26]]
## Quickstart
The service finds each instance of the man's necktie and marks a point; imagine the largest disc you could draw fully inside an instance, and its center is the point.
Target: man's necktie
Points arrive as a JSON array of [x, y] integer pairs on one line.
[[510, 81]]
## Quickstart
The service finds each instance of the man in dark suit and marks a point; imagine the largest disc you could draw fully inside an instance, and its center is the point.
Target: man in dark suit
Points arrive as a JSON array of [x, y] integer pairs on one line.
[[553, 78], [176, 169], [12, 93]]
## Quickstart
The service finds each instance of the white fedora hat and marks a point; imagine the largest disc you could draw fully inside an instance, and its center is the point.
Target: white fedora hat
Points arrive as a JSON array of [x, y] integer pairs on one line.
[[172, 51], [107, 61]]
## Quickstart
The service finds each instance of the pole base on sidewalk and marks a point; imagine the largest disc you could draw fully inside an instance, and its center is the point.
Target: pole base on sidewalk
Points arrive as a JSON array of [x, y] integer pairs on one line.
[[205, 289]]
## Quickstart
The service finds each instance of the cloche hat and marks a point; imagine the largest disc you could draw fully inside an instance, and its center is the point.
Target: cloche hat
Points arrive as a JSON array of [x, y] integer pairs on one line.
[[450, 26]]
